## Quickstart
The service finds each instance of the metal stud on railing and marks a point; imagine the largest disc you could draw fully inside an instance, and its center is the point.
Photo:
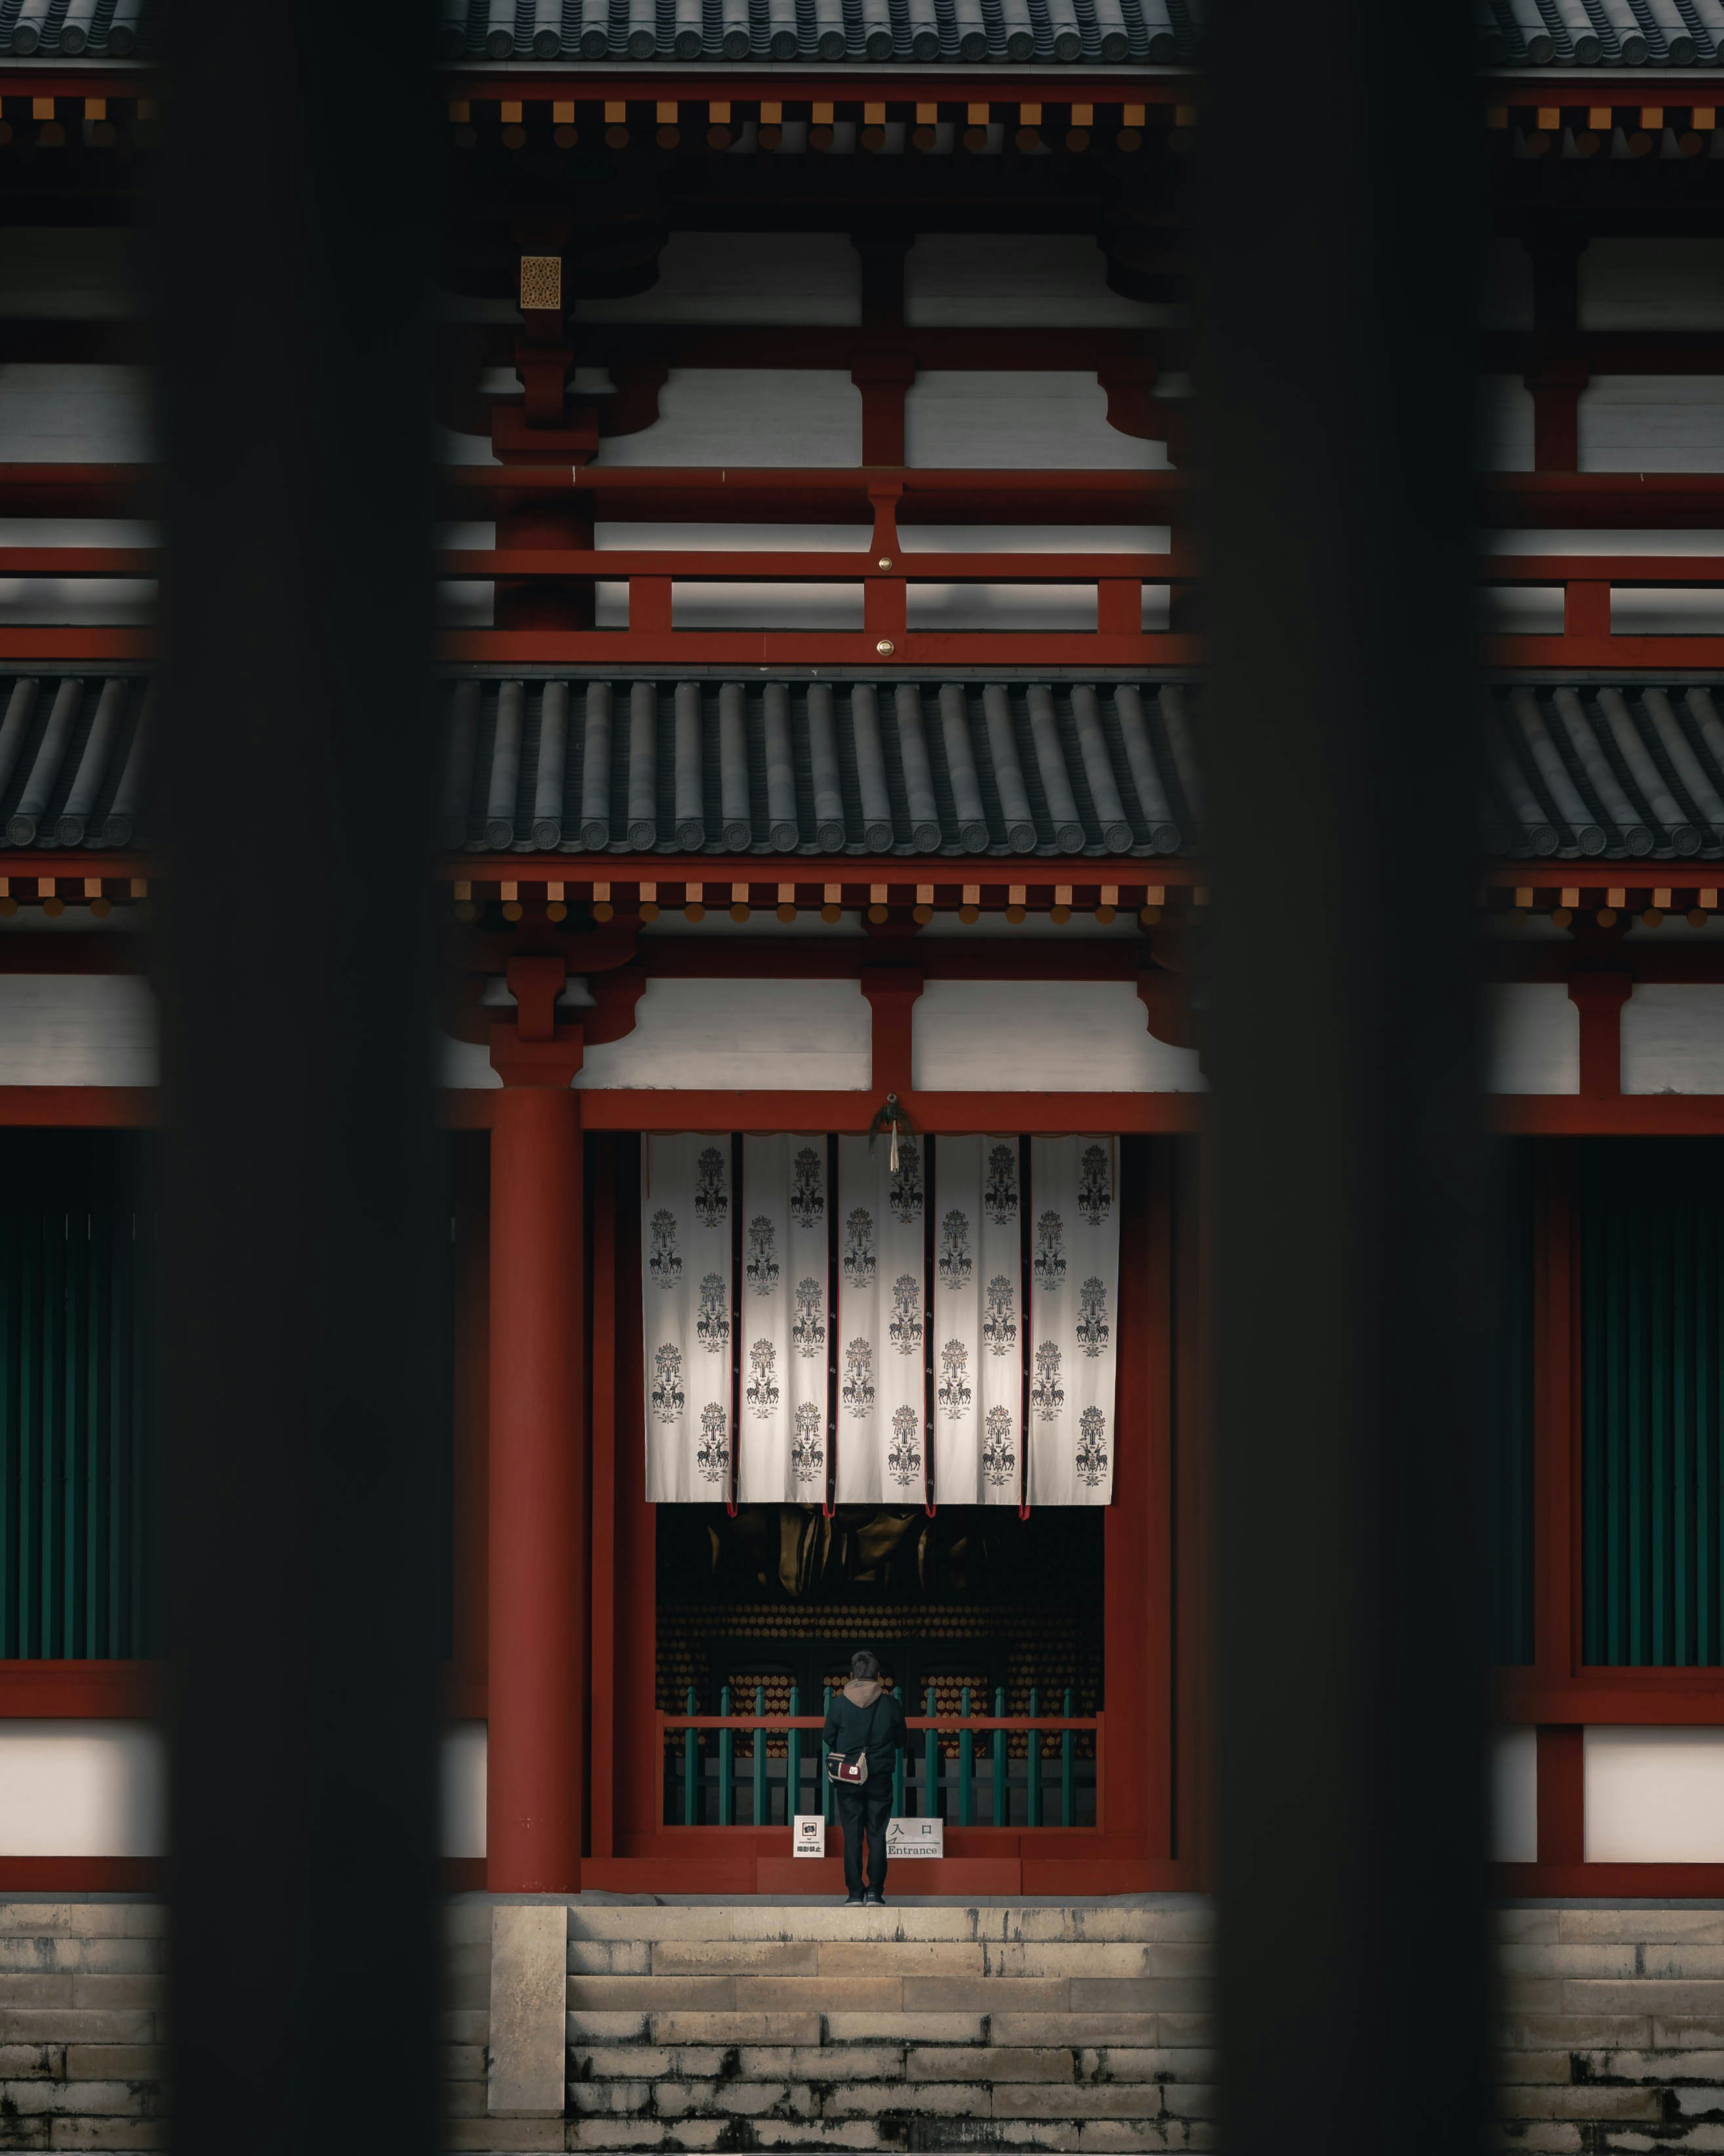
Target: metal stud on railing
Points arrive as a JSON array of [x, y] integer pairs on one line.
[[690, 1762], [997, 1742], [1068, 1770], [760, 1755], [793, 1760], [931, 1761], [727, 1765], [1033, 1787], [966, 1766]]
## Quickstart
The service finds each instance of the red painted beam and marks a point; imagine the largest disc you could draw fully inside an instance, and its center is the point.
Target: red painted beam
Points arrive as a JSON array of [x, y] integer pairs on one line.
[[78, 1692], [689, 647], [1622, 1115], [78, 1107]]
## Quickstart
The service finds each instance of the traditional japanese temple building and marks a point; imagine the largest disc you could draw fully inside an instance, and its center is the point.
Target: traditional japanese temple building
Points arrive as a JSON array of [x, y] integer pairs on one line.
[[821, 888]]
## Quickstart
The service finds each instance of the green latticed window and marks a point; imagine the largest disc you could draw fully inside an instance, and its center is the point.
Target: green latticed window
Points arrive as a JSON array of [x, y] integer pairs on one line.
[[1651, 1237], [76, 1249]]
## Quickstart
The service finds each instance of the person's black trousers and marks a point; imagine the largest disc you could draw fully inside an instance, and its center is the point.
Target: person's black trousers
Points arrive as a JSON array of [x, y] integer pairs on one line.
[[861, 1812]]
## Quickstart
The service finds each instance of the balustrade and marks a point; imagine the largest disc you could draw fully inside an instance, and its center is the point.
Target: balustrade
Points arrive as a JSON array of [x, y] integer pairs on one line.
[[938, 1778]]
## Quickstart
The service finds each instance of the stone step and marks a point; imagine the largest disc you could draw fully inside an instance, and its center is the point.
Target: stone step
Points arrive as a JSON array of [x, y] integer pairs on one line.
[[1149, 1919]]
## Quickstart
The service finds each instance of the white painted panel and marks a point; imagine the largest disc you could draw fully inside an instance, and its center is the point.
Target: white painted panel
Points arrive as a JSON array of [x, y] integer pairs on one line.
[[1019, 421], [83, 1789], [737, 538], [77, 273], [77, 1030], [1505, 424], [77, 601], [1652, 284], [748, 416], [1033, 538], [814, 1035], [1511, 1763], [449, 448], [1532, 541], [1652, 422], [1654, 1796], [1000, 606], [745, 277], [462, 1064], [1016, 279], [765, 605], [1042, 1036], [75, 413], [1532, 1036], [1673, 1039], [463, 1769]]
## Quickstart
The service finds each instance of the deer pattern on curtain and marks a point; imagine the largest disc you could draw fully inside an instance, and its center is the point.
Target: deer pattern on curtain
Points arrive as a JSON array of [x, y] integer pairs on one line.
[[885, 1342]]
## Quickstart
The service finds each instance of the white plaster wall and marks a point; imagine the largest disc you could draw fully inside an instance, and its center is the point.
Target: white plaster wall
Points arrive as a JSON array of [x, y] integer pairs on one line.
[[1018, 420], [748, 416], [463, 1768], [1511, 1762], [1652, 284], [1632, 422], [800, 277], [1532, 1038], [812, 1035], [83, 1789], [1654, 1796], [77, 1030], [959, 279], [1042, 1037], [1505, 424], [1673, 1039], [75, 413]]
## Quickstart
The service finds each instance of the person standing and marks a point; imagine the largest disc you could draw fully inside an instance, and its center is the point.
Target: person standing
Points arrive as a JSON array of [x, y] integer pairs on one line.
[[865, 1724]]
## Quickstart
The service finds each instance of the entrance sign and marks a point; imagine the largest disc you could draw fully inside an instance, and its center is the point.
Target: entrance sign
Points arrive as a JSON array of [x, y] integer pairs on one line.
[[808, 1834], [887, 1340], [915, 1837]]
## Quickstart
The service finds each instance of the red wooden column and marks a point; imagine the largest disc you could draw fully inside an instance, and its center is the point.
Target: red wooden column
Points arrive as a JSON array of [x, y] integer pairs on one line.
[[538, 1590]]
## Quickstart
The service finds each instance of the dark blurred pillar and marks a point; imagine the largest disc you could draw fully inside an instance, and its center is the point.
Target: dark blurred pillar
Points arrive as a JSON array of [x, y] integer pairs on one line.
[[292, 796], [1339, 224]]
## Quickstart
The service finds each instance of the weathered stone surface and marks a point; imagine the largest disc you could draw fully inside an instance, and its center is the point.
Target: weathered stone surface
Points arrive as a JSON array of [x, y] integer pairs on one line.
[[907, 2028], [733, 1957], [903, 1957], [1064, 2028], [610, 1957], [32, 2062], [1104, 2100], [118, 2133], [604, 2026], [1588, 2102], [852, 1994], [958, 2099], [991, 2062], [116, 2062], [504, 2133], [981, 1994], [1639, 1926], [61, 2025], [529, 1947], [700, 2028]]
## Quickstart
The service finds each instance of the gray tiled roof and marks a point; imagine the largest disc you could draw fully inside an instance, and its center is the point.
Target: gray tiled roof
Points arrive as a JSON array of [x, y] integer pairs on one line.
[[1511, 32], [1600, 33], [1598, 773], [828, 766], [71, 759], [1159, 30]]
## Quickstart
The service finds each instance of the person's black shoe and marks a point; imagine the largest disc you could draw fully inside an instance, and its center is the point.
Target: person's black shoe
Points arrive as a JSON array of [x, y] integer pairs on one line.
[[853, 1901], [875, 1900]]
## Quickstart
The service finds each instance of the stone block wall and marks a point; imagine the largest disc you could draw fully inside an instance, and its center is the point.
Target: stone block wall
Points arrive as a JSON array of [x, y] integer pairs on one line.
[[756, 2026], [82, 1995]]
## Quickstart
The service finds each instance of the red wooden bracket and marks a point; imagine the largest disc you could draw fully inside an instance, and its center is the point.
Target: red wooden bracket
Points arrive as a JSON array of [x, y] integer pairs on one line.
[[1599, 999], [1561, 1794], [891, 991]]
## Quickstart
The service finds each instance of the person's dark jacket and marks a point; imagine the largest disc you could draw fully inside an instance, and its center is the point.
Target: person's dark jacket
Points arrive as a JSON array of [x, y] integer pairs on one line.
[[863, 1714]]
